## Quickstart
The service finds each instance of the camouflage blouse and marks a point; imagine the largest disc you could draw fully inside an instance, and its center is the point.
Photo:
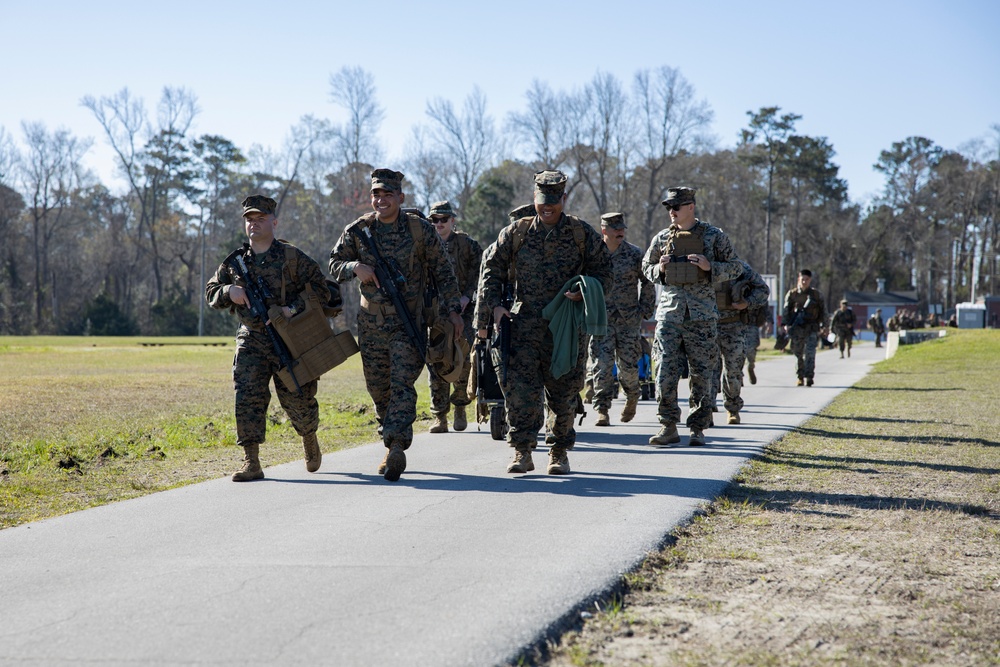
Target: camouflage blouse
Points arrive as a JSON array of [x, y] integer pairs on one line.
[[394, 240], [273, 271], [694, 301]]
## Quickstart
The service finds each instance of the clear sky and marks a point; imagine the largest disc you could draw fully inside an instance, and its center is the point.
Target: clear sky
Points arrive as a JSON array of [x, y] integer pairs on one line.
[[861, 73]]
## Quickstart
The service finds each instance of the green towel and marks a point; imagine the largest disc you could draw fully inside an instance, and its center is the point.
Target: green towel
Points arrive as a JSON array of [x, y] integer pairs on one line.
[[566, 319]]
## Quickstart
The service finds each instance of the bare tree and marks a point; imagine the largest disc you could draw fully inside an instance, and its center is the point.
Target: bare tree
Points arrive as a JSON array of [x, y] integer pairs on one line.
[[8, 158], [150, 159], [468, 142], [541, 128], [600, 118], [51, 174], [354, 89], [767, 135], [670, 120], [425, 169]]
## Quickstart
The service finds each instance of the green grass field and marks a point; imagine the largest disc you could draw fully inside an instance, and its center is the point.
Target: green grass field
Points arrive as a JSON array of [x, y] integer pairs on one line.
[[90, 420]]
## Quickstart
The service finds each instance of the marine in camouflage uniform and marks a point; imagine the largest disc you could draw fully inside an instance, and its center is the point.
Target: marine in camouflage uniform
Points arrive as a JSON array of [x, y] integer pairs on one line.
[[390, 358], [737, 300], [803, 314], [256, 363], [631, 300], [540, 254], [686, 258], [877, 326], [842, 326], [466, 255]]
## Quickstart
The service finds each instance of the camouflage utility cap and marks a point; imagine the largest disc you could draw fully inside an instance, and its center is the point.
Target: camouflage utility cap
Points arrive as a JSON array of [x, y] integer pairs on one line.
[[442, 209], [614, 220], [525, 211], [387, 179], [549, 186], [679, 196], [259, 204], [843, 302]]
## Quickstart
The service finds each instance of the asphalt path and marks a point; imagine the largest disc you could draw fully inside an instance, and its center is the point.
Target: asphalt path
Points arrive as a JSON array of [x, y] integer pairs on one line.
[[458, 563]]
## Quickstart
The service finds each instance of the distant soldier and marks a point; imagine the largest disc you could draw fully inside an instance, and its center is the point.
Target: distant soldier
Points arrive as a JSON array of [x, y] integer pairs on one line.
[[391, 360], [630, 301], [842, 326], [465, 254], [758, 318], [256, 362], [803, 316], [687, 258], [737, 301], [877, 326], [540, 255]]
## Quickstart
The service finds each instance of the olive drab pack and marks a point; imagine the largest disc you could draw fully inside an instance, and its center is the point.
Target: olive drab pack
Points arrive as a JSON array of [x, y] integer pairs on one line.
[[334, 306], [314, 345], [690, 242]]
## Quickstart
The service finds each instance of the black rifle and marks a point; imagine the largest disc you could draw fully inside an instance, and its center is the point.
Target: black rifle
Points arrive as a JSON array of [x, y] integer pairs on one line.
[[801, 316], [390, 281], [257, 295], [502, 341]]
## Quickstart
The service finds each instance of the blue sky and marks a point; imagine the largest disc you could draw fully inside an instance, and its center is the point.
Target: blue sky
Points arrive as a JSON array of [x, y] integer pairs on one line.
[[862, 74]]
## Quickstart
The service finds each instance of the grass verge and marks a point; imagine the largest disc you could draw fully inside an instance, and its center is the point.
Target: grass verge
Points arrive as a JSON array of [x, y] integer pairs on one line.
[[86, 421], [870, 536]]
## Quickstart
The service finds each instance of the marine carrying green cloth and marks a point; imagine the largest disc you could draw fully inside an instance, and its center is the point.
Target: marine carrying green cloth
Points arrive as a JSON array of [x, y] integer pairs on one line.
[[566, 319]]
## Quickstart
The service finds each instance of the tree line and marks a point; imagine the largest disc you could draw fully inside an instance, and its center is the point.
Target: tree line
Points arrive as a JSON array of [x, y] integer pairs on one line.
[[80, 258]]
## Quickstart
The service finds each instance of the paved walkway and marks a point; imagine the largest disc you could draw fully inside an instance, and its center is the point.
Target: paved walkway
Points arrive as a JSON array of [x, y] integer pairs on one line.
[[456, 564]]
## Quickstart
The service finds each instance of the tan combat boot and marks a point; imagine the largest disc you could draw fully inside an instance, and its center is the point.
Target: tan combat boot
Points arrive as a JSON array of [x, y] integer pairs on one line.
[[697, 438], [558, 461], [734, 418], [602, 418], [394, 463], [440, 424], [667, 436], [251, 469], [522, 462], [628, 412], [314, 457], [460, 423]]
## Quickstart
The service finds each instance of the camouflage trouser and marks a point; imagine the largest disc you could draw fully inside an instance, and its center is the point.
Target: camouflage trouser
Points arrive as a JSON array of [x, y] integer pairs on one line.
[[622, 344], [530, 385], [752, 343], [392, 365], [440, 398], [803, 344], [254, 365], [591, 362], [844, 337], [728, 377], [699, 339]]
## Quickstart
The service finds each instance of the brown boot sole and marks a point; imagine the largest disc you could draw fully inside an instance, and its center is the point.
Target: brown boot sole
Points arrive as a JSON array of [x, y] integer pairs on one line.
[[558, 468], [395, 465], [248, 476]]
